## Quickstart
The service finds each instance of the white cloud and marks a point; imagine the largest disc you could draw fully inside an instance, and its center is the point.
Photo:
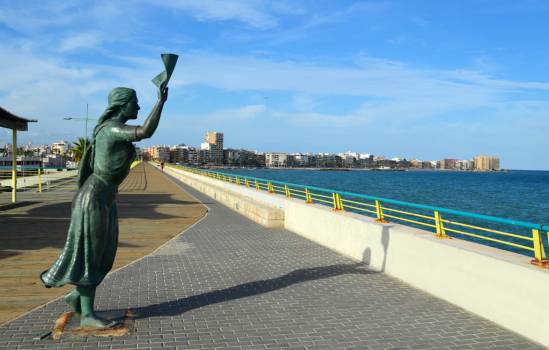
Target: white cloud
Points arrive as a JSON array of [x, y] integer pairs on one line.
[[392, 90], [26, 18], [48, 88], [68, 26], [250, 12], [245, 113], [86, 40]]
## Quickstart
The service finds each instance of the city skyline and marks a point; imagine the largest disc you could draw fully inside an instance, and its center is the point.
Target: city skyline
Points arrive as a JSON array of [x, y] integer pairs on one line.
[[427, 80], [206, 156], [69, 145]]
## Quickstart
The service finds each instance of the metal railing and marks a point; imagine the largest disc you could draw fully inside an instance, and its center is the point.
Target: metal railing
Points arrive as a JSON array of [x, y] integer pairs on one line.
[[39, 179], [445, 223], [36, 179]]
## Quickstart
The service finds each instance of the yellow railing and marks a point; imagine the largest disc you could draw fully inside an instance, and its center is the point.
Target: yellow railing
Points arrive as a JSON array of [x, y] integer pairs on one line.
[[417, 215], [35, 179]]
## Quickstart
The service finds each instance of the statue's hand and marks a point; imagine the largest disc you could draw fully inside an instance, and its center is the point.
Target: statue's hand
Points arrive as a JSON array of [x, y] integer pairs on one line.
[[163, 93]]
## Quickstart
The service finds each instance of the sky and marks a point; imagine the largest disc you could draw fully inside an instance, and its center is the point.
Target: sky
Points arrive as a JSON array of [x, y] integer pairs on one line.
[[413, 79]]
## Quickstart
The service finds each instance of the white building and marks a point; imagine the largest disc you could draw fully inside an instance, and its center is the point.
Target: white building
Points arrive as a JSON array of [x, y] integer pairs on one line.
[[303, 159], [275, 159], [348, 158], [60, 147], [465, 164]]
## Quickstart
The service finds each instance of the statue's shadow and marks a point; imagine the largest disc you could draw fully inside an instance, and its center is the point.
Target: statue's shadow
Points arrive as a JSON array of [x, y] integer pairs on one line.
[[180, 306]]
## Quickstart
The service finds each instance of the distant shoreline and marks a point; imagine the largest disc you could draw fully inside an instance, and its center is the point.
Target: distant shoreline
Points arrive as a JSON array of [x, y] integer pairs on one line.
[[369, 169]]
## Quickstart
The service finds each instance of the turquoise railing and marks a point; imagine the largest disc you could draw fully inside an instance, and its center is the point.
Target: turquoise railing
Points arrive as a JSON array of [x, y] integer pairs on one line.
[[446, 223]]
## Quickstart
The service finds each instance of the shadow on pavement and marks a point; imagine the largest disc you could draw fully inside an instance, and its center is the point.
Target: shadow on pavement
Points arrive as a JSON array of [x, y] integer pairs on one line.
[[47, 225], [180, 306], [21, 204]]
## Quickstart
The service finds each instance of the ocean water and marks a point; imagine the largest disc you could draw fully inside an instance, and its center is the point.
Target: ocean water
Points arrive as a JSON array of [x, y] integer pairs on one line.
[[519, 195]]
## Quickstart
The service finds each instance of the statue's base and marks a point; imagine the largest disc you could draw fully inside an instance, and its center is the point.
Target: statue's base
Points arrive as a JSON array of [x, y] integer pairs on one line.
[[68, 325]]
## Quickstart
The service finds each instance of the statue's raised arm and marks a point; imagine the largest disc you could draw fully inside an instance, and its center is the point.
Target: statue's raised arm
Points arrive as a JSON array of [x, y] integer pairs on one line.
[[148, 128]]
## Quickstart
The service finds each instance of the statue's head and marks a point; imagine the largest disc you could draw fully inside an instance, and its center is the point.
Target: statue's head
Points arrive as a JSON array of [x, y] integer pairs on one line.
[[125, 100]]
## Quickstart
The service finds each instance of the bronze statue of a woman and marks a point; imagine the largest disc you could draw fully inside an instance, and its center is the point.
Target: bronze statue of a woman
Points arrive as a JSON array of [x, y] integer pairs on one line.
[[92, 238]]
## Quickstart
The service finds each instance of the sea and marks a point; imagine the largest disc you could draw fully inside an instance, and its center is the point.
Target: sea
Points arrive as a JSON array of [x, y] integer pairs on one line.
[[513, 194]]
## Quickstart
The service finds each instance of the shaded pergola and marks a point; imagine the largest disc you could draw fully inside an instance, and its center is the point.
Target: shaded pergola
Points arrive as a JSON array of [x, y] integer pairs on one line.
[[9, 120]]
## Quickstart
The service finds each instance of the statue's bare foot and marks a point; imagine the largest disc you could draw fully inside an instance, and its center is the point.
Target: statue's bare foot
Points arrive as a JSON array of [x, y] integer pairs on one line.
[[73, 300], [93, 321]]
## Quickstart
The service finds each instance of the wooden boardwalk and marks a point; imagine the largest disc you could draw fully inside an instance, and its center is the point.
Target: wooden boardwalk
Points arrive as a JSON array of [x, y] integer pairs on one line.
[[152, 210]]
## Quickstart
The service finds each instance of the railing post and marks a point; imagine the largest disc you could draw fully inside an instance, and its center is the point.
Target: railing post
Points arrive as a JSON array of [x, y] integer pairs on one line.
[[379, 213], [336, 198], [247, 183], [237, 180], [270, 187], [340, 202], [256, 185], [539, 251], [287, 191], [14, 166], [441, 233], [39, 180], [308, 198]]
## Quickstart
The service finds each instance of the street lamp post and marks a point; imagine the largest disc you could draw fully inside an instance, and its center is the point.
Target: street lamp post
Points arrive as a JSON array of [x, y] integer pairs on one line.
[[86, 127]]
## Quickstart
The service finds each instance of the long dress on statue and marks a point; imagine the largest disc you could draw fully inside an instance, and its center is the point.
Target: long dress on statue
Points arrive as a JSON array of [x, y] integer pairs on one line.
[[92, 239]]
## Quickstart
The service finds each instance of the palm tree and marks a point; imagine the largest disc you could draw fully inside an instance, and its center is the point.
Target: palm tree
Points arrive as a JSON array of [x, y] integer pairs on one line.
[[78, 149]]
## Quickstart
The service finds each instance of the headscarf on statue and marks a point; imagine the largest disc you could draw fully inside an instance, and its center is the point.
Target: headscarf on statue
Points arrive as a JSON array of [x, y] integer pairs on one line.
[[118, 98]]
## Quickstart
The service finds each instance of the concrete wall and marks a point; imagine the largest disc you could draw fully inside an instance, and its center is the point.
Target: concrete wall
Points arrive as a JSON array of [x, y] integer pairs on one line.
[[252, 205], [500, 286]]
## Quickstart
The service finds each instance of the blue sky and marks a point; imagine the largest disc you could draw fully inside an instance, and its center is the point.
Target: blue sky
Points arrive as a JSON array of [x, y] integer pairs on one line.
[[415, 79]]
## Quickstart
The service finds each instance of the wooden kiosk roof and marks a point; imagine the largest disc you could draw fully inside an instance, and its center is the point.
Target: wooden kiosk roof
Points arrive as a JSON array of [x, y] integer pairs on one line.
[[11, 121]]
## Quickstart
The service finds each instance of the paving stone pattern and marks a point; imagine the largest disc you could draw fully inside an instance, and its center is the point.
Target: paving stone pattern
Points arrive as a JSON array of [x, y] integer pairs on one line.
[[228, 283]]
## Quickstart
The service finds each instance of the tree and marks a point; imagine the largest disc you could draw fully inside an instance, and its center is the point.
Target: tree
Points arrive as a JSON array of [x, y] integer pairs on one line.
[[78, 149]]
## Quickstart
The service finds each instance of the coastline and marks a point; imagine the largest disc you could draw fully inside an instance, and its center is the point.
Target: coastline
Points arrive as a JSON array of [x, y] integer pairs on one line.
[[357, 169]]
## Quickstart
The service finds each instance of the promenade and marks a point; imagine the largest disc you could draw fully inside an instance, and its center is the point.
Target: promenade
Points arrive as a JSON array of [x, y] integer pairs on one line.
[[229, 283], [151, 211]]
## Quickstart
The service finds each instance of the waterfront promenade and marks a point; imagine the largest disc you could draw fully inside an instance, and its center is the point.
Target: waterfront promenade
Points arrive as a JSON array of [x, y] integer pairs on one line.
[[151, 209], [227, 282]]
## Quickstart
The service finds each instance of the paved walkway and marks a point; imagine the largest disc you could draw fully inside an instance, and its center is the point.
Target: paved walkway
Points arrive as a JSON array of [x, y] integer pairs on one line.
[[229, 283]]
